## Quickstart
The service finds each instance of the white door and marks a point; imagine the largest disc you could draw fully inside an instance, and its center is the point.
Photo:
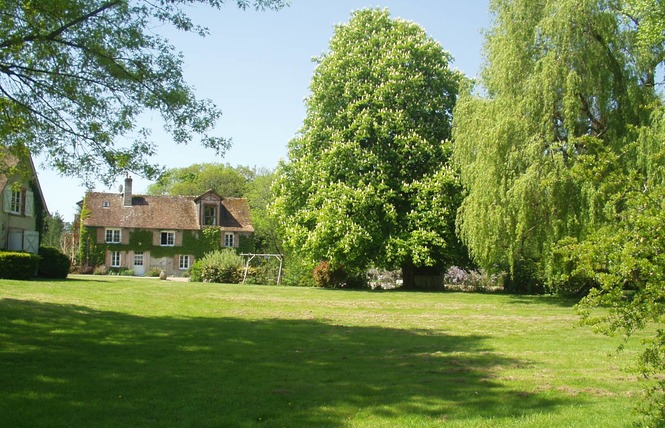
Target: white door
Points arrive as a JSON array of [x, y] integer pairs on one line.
[[31, 241], [15, 242], [139, 267]]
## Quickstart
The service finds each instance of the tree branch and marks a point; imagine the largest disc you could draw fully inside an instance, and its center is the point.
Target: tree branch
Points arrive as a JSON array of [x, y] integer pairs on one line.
[[597, 125], [53, 34]]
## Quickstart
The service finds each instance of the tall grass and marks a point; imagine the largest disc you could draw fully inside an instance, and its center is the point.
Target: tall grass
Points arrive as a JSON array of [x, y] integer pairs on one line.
[[104, 351]]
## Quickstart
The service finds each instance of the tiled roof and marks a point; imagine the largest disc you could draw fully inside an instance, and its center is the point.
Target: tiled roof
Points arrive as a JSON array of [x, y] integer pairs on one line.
[[159, 212], [238, 219], [146, 212]]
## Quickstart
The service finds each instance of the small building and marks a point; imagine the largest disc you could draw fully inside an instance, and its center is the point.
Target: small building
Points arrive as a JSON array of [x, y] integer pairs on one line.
[[144, 232], [23, 206]]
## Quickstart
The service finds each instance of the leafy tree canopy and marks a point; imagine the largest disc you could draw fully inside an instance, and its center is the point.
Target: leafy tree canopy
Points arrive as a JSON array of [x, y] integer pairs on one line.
[[367, 179], [197, 179], [76, 74], [53, 230], [259, 194]]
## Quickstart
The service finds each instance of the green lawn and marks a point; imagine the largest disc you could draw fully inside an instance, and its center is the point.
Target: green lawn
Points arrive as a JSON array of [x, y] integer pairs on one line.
[[113, 351]]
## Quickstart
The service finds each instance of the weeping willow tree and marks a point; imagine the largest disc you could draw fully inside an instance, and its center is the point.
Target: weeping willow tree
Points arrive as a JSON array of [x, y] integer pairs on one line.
[[566, 91], [563, 156]]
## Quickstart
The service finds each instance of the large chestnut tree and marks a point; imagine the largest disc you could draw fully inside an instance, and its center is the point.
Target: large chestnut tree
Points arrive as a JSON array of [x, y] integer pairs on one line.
[[367, 181]]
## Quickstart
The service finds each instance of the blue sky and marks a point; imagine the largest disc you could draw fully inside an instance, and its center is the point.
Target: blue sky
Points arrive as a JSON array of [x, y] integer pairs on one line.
[[257, 66]]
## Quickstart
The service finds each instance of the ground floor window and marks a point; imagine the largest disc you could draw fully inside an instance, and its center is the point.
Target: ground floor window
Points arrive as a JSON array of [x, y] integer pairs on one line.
[[228, 240], [115, 258], [184, 262]]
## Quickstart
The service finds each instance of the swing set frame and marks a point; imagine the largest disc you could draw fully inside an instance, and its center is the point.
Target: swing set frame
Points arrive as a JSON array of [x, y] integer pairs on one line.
[[251, 256]]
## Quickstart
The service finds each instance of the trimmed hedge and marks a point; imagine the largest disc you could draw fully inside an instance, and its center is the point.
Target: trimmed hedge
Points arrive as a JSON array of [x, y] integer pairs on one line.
[[54, 263], [15, 265]]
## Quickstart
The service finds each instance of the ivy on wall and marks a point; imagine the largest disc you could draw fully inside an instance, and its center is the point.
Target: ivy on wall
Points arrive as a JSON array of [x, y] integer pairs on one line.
[[194, 242], [246, 244], [40, 210], [91, 253]]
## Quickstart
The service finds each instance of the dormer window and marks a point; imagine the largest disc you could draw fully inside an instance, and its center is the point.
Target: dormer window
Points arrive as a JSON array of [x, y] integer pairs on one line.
[[209, 215]]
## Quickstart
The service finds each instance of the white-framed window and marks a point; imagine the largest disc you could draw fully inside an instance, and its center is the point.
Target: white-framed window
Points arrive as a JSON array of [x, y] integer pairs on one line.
[[16, 202], [138, 258], [112, 236], [115, 258], [183, 263], [228, 239], [167, 238]]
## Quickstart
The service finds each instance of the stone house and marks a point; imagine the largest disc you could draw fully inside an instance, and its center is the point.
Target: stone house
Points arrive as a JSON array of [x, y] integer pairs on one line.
[[143, 232], [23, 207]]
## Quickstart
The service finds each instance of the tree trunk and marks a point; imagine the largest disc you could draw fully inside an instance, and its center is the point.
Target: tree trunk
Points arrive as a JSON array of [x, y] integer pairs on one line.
[[427, 278], [408, 276]]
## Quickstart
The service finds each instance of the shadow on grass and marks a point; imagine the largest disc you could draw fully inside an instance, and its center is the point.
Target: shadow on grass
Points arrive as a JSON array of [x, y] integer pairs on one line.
[[67, 365], [564, 302], [69, 280]]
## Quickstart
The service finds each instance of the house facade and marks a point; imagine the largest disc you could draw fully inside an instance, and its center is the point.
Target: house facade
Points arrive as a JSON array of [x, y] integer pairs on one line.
[[23, 206], [143, 232]]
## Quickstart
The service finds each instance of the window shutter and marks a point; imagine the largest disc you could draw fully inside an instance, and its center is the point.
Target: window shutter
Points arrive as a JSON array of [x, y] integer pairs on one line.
[[7, 199], [29, 203]]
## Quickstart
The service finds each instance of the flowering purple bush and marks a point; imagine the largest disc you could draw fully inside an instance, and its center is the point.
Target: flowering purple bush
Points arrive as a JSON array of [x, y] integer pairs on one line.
[[459, 279]]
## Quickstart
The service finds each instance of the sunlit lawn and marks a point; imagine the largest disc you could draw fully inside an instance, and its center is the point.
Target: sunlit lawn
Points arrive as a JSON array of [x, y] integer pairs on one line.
[[109, 351]]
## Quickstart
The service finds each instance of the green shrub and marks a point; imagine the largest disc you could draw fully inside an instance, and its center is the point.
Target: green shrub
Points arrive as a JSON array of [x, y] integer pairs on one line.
[[263, 271], [121, 271], [525, 278], [84, 270], [54, 263], [297, 272], [219, 266], [101, 270], [327, 276], [18, 265], [154, 272]]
